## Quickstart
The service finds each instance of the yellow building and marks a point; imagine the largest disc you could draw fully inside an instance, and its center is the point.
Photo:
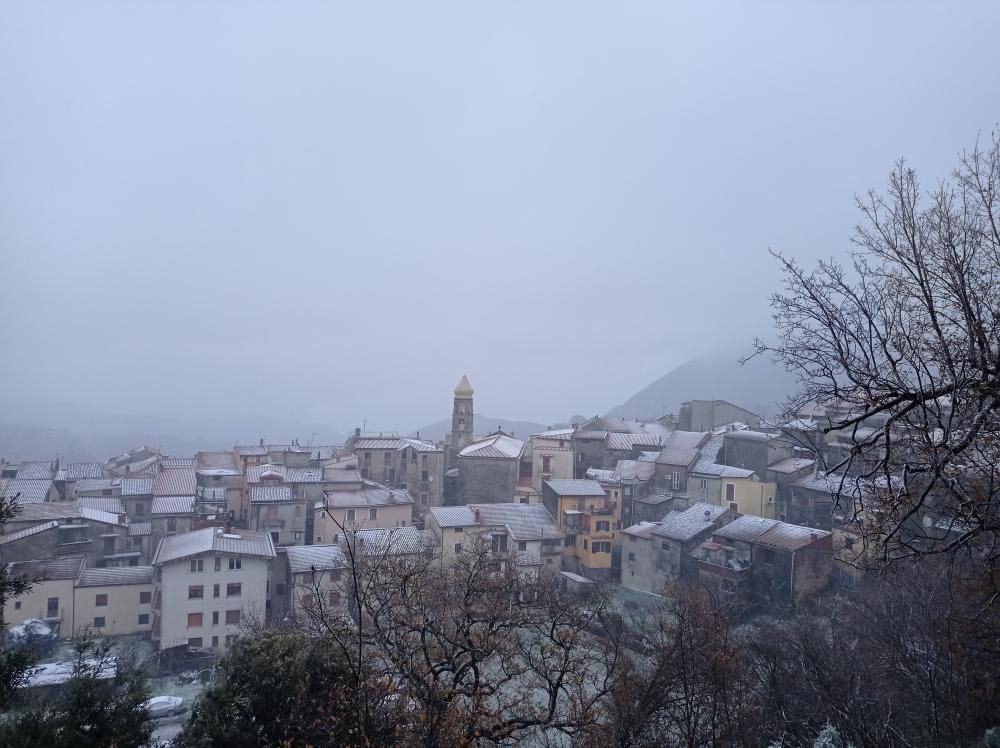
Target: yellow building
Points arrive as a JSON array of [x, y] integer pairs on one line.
[[50, 598], [114, 602], [590, 520], [374, 506]]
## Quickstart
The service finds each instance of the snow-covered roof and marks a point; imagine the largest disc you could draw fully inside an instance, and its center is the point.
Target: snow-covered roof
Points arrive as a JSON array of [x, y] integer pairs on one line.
[[110, 504], [790, 537], [642, 529], [418, 445], [523, 521], [137, 486], [305, 558], [396, 541], [791, 465], [105, 518], [554, 434], [575, 487], [67, 567], [28, 532], [453, 516], [96, 485], [46, 510], [28, 490], [627, 442], [79, 470], [173, 505], [214, 540], [496, 445], [37, 469], [175, 482], [115, 576], [274, 471], [689, 523], [371, 494], [681, 447], [746, 528], [262, 494], [172, 463], [635, 470], [139, 529]]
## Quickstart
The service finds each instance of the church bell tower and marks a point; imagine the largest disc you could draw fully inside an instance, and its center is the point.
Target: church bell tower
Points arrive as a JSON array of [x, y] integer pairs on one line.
[[462, 418]]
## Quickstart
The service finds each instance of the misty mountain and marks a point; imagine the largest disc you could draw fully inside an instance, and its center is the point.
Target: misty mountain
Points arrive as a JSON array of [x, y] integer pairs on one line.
[[483, 425], [759, 385]]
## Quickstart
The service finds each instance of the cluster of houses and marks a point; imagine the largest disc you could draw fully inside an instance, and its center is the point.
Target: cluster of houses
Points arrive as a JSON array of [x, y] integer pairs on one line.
[[190, 550]]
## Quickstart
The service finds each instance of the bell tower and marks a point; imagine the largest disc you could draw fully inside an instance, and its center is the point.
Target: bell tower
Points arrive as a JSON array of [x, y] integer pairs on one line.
[[462, 429]]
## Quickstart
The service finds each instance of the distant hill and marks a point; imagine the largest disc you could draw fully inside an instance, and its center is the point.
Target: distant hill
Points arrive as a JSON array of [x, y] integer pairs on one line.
[[483, 425], [759, 385]]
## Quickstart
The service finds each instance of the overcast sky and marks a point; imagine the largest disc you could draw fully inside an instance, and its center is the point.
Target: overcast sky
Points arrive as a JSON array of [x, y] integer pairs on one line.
[[332, 211]]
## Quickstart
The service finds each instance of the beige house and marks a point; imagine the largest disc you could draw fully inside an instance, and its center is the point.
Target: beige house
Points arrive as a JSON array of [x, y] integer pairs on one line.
[[114, 602], [414, 465], [207, 584], [373, 506], [551, 454], [281, 499], [51, 596]]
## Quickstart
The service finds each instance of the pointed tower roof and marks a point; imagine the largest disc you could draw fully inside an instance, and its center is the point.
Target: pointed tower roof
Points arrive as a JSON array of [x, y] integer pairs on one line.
[[464, 389]]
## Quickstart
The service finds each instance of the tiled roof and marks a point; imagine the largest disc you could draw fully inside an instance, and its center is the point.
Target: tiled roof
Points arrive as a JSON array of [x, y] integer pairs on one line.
[[627, 442], [172, 463], [555, 434], [641, 530], [115, 576], [137, 486], [591, 434], [28, 532], [687, 524], [28, 490], [47, 569], [223, 460], [214, 540], [453, 516], [681, 448], [305, 558], [635, 470], [36, 470], [343, 476], [575, 487], [272, 471], [174, 482], [418, 445], [750, 436], [251, 450], [96, 485], [790, 537], [395, 541], [110, 504], [173, 505], [495, 445], [80, 470], [791, 465], [139, 529], [524, 521], [270, 494]]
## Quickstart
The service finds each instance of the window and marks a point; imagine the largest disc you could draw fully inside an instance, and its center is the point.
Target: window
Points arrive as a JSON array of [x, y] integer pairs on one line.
[[603, 525], [522, 545], [215, 618], [230, 639], [730, 492], [675, 480], [665, 545], [499, 544], [373, 514], [570, 541], [17, 606], [215, 590], [140, 509], [458, 547], [51, 607], [423, 498], [232, 617], [99, 622], [109, 545], [350, 515], [171, 524], [215, 641], [584, 544], [145, 597], [368, 456], [524, 499], [274, 538], [101, 601], [194, 620], [234, 589], [195, 642], [386, 458], [196, 592], [144, 619], [631, 557], [423, 461], [218, 563], [235, 563], [547, 464], [197, 564]]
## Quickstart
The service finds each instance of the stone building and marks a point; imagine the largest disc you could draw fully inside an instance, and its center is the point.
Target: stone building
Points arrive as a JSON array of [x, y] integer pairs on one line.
[[413, 465], [677, 458], [708, 415], [371, 506], [551, 456], [462, 421], [488, 469]]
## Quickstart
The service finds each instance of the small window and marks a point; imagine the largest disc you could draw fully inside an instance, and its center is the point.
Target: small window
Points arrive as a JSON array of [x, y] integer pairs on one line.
[[423, 498], [458, 547], [17, 605], [373, 514], [215, 641], [603, 525], [144, 619], [196, 592], [232, 617], [218, 563], [215, 590], [584, 544], [197, 564], [522, 545], [215, 618], [101, 601], [145, 597], [665, 545], [99, 622], [425, 475], [350, 515], [195, 642], [235, 563], [631, 557], [194, 620], [140, 509], [171, 524], [234, 589]]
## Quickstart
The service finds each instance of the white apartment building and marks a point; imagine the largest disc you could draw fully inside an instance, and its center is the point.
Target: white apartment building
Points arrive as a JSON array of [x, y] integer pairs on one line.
[[207, 584]]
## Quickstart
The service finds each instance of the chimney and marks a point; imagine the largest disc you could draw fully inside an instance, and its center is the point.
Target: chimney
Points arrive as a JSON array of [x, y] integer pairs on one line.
[[708, 515], [357, 431]]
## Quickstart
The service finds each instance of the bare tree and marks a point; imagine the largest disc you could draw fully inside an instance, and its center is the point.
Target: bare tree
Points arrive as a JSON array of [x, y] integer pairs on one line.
[[902, 347]]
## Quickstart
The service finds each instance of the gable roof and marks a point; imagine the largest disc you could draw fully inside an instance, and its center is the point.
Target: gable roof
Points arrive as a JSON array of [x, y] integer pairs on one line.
[[115, 576], [45, 511], [31, 490], [453, 516], [274, 471], [50, 569], [304, 558], [372, 494], [523, 521], [418, 445], [393, 541], [37, 470], [137, 486], [681, 447], [79, 470], [173, 505], [689, 523], [110, 504], [175, 482], [270, 494], [213, 540], [27, 532], [746, 528]]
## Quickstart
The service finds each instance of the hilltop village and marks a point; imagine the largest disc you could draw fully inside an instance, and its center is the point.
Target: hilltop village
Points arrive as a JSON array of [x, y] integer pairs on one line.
[[187, 550]]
